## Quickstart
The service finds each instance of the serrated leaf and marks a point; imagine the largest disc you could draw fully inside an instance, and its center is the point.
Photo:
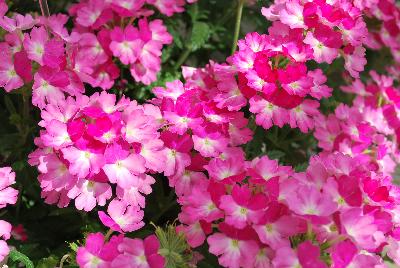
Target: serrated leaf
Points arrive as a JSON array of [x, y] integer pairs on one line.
[[200, 35], [17, 256]]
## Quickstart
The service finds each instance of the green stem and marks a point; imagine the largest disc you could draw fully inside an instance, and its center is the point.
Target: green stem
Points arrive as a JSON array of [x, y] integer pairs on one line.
[[44, 8], [63, 259], [332, 242], [309, 234], [183, 57], [108, 234], [237, 25]]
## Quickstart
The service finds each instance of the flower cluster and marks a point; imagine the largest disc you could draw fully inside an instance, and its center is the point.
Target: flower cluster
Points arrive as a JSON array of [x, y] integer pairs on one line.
[[120, 252], [59, 62], [259, 213], [328, 29], [368, 130], [8, 195], [273, 75], [89, 144], [342, 211]]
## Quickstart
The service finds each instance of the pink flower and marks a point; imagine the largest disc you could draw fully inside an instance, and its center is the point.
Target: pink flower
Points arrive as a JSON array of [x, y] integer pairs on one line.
[[168, 7], [18, 22], [123, 217], [8, 195], [5, 234], [155, 155], [233, 253], [292, 15], [195, 233], [286, 257], [57, 176], [49, 86], [230, 96], [343, 253], [268, 114], [319, 90], [19, 233], [177, 153], [134, 195], [96, 253], [92, 49], [127, 8], [89, 13], [306, 200], [208, 143], [241, 207], [276, 226], [125, 43], [34, 44], [88, 193], [302, 115], [360, 227], [9, 79], [199, 204], [322, 53], [122, 167], [82, 162], [140, 127], [139, 253], [309, 256], [355, 62], [264, 169]]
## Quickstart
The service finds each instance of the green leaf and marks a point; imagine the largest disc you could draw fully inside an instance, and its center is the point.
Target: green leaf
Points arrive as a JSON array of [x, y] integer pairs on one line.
[[173, 247], [17, 256], [49, 262], [301, 167], [275, 154], [176, 36], [200, 35]]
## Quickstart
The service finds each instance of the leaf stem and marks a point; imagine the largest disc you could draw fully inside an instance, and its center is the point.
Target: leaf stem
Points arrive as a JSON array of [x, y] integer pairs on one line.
[[237, 24], [183, 57], [63, 259], [44, 7], [108, 234]]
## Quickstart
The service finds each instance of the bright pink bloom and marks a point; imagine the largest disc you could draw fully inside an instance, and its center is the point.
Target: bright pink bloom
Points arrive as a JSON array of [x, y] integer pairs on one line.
[[136, 253], [125, 43], [96, 253], [5, 234], [241, 207], [232, 253], [123, 217], [34, 44], [9, 79]]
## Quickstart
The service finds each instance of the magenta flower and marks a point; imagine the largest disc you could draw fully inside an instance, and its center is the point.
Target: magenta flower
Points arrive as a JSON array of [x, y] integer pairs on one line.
[[123, 217], [139, 253]]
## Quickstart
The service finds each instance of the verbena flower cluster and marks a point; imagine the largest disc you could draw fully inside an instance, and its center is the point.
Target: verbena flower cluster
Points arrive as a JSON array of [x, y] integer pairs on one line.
[[103, 150]]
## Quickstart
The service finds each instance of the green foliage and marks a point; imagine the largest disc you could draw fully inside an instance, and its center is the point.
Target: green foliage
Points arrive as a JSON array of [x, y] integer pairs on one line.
[[18, 257], [173, 247], [200, 35]]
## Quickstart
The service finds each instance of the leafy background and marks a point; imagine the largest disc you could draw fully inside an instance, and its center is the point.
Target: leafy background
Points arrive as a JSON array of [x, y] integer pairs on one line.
[[204, 32]]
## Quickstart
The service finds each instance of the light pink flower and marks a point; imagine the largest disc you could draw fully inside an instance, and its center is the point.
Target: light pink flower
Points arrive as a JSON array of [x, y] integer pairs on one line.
[[123, 217]]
